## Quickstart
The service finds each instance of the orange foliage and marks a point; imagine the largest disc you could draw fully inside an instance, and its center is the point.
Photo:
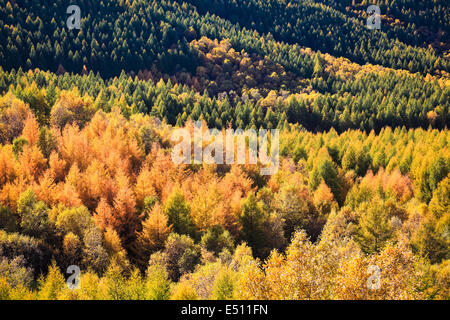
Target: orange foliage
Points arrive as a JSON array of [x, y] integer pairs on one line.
[[46, 190], [155, 230], [31, 130], [399, 186], [121, 214], [32, 162], [7, 165], [11, 192], [68, 195]]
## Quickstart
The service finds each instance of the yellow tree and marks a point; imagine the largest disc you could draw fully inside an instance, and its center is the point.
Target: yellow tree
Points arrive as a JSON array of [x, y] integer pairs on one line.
[[204, 206], [155, 230], [144, 186], [113, 246]]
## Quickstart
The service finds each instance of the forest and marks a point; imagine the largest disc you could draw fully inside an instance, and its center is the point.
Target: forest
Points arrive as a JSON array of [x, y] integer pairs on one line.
[[87, 179]]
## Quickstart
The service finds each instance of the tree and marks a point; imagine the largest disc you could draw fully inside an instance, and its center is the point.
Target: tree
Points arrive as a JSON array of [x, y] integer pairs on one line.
[[179, 213], [158, 283], [15, 272], [252, 218], [144, 187], [72, 220], [94, 254], [32, 162], [72, 248], [216, 239], [294, 205], [431, 237], [7, 165], [155, 230], [46, 142], [33, 215], [71, 108], [204, 206], [355, 160], [35, 253], [324, 200], [180, 256], [440, 202], [318, 67], [374, 227], [115, 282], [183, 291], [8, 221], [113, 246], [224, 285], [13, 115], [18, 145], [325, 170], [398, 276], [432, 171], [122, 215], [31, 130], [135, 286], [52, 285]]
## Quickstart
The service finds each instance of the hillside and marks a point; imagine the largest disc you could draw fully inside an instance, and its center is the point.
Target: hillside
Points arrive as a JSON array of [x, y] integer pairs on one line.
[[166, 39], [90, 121]]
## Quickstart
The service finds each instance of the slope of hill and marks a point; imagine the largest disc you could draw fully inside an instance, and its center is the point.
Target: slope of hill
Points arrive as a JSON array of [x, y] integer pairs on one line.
[[88, 120]]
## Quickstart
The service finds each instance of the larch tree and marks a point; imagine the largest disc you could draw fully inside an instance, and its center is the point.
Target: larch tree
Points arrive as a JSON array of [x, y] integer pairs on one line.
[[155, 230], [374, 227], [178, 211]]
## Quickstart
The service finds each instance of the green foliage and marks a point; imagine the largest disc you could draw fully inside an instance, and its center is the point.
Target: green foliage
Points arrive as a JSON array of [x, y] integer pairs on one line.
[[34, 215], [440, 203], [217, 239], [96, 187], [115, 282], [16, 272], [309, 23], [74, 220], [8, 220], [180, 256], [325, 170], [432, 172], [224, 285], [18, 145], [46, 142]]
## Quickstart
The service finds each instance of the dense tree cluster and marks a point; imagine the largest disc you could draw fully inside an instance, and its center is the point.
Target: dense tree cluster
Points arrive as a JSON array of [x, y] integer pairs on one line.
[[115, 36], [87, 177], [104, 194], [251, 78], [322, 26], [358, 98], [413, 22], [130, 35]]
